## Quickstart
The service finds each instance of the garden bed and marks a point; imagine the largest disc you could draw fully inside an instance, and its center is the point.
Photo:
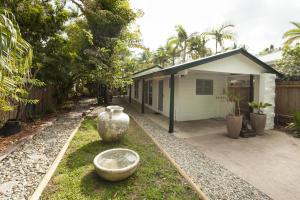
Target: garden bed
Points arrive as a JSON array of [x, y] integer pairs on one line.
[[75, 177]]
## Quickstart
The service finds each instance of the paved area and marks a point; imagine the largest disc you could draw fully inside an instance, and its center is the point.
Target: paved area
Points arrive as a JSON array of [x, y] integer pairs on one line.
[[217, 182], [22, 170], [270, 162]]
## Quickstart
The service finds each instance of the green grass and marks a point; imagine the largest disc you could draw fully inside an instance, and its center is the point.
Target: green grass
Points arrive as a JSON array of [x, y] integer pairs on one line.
[[75, 177]]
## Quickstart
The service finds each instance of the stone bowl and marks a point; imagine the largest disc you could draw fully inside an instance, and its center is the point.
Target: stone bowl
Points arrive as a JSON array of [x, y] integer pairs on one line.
[[116, 164]]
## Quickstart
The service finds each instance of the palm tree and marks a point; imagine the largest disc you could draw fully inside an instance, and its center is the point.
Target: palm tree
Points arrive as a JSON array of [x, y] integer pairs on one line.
[[172, 48], [182, 37], [222, 33], [292, 35], [161, 56], [197, 46]]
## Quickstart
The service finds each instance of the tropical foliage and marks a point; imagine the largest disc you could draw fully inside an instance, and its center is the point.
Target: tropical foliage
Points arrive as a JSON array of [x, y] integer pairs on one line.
[[295, 125], [258, 106], [15, 63], [75, 49], [290, 62], [292, 35], [185, 46], [221, 34]]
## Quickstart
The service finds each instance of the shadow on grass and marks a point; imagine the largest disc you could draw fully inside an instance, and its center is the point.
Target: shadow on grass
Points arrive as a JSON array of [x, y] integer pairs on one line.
[[94, 186], [86, 154]]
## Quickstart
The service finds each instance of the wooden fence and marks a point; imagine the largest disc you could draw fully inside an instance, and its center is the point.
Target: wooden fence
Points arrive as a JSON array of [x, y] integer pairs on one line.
[[47, 101], [287, 99], [245, 98]]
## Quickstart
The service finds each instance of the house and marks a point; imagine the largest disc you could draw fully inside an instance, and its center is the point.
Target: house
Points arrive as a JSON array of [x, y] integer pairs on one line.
[[271, 58], [191, 91]]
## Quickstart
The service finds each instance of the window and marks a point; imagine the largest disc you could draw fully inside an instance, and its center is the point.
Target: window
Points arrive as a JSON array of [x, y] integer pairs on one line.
[[148, 92], [136, 89], [204, 87]]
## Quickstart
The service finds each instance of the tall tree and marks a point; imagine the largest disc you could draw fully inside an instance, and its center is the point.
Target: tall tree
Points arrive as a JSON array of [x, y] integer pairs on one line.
[[221, 34], [197, 46], [292, 35], [41, 23], [161, 56], [290, 62], [172, 48], [15, 63], [182, 37], [109, 23]]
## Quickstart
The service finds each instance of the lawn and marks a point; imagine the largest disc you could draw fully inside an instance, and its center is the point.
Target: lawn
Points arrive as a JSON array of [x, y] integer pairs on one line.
[[75, 177]]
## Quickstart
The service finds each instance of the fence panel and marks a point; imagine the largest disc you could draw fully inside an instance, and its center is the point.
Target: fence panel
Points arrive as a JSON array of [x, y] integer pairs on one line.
[[287, 99], [47, 101]]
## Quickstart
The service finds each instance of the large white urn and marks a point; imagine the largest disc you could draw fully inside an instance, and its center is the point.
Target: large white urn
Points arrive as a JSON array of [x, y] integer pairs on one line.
[[112, 123]]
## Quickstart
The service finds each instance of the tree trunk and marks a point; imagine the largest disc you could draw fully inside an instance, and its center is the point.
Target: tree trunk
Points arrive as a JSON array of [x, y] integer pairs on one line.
[[216, 46], [184, 51]]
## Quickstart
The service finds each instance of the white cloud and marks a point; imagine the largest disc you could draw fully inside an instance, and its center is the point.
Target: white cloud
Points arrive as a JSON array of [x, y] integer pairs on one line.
[[259, 23]]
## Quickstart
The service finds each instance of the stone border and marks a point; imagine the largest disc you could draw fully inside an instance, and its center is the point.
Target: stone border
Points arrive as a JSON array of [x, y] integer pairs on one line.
[[42, 185], [197, 189]]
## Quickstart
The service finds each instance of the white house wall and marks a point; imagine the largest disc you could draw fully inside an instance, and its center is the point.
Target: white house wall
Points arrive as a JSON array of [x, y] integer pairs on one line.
[[237, 64], [193, 107], [166, 95], [267, 95]]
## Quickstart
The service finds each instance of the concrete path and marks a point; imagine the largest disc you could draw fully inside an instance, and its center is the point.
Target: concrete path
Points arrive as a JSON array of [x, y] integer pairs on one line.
[[217, 182], [270, 162]]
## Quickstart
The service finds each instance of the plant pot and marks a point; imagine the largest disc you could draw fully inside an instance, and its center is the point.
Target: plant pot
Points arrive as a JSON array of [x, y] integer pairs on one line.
[[116, 164], [234, 126], [113, 123], [258, 122], [10, 127]]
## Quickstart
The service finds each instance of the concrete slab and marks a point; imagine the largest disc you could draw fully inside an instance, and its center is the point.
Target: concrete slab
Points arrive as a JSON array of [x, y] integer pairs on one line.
[[270, 162]]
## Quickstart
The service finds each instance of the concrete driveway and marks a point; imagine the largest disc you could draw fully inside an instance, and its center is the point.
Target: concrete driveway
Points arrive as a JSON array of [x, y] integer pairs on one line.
[[270, 162]]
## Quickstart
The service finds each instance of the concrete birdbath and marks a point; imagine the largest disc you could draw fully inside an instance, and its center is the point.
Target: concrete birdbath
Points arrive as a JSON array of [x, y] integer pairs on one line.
[[116, 164]]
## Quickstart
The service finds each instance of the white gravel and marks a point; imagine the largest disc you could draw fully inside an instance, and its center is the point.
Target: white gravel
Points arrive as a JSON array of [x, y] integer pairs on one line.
[[23, 169], [214, 180]]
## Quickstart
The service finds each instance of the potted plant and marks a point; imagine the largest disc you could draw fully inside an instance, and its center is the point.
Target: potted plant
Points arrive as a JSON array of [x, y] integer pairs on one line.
[[258, 119], [234, 120]]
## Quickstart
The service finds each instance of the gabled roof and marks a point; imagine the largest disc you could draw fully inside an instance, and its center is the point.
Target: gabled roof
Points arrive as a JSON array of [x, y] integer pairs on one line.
[[177, 68], [147, 71]]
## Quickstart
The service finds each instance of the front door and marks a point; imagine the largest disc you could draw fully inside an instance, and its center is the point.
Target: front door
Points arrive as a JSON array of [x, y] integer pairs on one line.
[[160, 95]]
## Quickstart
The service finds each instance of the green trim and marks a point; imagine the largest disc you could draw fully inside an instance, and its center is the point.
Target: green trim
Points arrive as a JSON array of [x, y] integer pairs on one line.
[[143, 97], [143, 70], [171, 113], [177, 68]]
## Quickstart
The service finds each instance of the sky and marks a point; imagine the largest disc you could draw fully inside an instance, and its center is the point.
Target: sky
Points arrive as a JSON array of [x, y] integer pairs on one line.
[[258, 23]]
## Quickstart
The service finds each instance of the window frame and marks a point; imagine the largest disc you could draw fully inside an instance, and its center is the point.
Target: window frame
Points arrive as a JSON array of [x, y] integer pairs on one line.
[[136, 89], [150, 92], [206, 87]]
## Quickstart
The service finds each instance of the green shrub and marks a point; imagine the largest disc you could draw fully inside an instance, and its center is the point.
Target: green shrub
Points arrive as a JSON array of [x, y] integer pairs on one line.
[[295, 125]]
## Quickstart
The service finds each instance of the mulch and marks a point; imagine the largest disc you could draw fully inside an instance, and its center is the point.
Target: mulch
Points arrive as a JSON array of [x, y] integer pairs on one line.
[[28, 129]]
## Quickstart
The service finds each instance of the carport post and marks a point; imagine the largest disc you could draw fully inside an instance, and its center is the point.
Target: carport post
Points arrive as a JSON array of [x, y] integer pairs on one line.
[[143, 96], [130, 93], [251, 90], [171, 114]]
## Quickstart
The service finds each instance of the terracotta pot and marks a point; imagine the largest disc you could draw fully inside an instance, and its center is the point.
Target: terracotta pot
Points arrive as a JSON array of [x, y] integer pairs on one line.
[[258, 122], [112, 123], [234, 126]]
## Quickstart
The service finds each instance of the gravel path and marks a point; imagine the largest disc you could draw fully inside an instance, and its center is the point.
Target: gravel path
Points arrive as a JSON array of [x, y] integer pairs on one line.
[[23, 169], [214, 180]]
